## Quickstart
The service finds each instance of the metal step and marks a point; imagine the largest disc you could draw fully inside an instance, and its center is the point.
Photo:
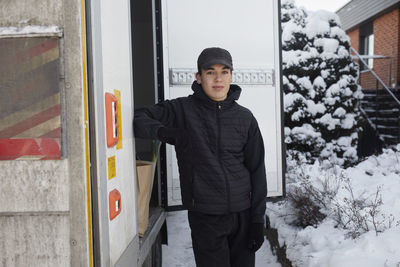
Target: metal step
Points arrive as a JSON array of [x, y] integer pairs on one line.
[[380, 101], [393, 111], [379, 104], [385, 121], [384, 113], [389, 139], [374, 91], [390, 130], [380, 95]]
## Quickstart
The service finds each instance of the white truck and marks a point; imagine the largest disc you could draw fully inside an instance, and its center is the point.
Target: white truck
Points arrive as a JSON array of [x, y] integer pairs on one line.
[[72, 74]]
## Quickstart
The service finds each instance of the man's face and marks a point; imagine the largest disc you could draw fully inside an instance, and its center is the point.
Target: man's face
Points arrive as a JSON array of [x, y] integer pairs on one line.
[[215, 81]]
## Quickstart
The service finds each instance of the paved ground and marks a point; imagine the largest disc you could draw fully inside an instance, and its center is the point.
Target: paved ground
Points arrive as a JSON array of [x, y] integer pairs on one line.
[[179, 251]]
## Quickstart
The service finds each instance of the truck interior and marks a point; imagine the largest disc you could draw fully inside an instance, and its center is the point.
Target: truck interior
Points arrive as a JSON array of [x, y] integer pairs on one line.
[[147, 91]]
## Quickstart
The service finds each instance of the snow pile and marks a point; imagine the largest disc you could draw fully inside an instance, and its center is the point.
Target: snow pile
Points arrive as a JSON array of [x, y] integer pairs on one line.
[[320, 85], [329, 244], [30, 29]]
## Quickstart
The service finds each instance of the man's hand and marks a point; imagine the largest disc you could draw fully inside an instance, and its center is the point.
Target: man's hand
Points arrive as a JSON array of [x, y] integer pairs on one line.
[[173, 136], [256, 236]]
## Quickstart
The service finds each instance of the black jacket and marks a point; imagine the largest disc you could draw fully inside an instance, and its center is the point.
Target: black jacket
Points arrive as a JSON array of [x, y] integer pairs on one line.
[[221, 164]]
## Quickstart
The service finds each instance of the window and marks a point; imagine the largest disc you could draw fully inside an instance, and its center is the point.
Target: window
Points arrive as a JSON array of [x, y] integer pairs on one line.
[[367, 44], [30, 105], [369, 49]]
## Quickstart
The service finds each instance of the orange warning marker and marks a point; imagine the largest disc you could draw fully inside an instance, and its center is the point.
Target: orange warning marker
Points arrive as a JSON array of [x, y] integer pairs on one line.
[[111, 119], [114, 203]]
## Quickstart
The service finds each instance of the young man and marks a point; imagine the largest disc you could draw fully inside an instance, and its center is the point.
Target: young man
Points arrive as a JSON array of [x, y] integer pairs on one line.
[[220, 155]]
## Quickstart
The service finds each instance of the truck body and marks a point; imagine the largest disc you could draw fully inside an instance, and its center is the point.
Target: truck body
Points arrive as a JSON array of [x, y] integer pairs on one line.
[[73, 73]]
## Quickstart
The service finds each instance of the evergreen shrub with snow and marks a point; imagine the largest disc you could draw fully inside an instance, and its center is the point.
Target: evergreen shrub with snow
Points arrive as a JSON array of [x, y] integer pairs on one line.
[[322, 118]]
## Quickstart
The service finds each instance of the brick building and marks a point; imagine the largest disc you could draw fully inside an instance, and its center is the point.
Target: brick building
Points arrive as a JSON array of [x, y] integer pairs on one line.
[[374, 29]]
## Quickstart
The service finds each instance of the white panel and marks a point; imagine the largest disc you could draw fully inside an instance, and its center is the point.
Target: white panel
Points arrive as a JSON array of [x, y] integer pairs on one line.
[[245, 28], [249, 30], [117, 71]]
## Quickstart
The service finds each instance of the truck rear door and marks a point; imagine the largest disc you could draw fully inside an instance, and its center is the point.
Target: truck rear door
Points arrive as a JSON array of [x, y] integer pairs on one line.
[[250, 30]]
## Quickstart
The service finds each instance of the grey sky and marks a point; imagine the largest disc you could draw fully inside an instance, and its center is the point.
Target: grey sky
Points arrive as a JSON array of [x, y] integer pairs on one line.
[[330, 5]]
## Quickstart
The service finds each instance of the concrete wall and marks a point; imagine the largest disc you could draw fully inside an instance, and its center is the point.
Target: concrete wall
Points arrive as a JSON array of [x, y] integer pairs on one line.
[[43, 204]]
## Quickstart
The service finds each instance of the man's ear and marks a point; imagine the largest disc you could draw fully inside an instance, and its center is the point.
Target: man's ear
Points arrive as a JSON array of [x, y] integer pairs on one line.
[[198, 78]]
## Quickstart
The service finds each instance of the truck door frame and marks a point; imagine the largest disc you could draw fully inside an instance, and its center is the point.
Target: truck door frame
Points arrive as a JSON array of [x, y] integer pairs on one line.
[[159, 63], [99, 244]]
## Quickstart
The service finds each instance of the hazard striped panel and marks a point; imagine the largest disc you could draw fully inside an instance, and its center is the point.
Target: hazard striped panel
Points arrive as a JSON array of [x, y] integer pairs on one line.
[[30, 109]]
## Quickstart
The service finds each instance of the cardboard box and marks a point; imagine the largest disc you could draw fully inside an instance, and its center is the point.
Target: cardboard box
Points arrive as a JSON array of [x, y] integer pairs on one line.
[[145, 178]]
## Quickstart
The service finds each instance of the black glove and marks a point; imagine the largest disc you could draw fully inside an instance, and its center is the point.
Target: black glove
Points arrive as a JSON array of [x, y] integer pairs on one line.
[[173, 136], [256, 236]]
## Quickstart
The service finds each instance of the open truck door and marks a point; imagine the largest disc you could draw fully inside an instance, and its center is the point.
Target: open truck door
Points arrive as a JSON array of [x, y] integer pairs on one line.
[[115, 235], [111, 47], [250, 30]]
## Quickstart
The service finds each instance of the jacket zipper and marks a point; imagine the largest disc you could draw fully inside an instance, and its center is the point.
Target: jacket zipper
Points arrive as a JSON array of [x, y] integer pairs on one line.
[[228, 193]]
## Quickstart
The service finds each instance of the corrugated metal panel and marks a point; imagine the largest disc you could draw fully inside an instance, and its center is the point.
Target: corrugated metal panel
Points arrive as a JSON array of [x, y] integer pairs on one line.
[[357, 11]]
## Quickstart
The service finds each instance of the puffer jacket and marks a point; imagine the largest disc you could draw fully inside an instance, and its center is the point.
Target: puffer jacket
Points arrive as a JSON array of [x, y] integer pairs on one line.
[[221, 166]]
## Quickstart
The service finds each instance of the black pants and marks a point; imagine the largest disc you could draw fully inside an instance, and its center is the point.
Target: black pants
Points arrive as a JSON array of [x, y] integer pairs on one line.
[[221, 240]]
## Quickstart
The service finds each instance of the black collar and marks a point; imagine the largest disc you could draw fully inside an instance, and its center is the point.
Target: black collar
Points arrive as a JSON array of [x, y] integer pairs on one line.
[[233, 95]]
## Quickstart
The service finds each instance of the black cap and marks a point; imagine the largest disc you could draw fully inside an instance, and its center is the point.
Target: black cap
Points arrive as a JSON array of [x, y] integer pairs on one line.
[[214, 55]]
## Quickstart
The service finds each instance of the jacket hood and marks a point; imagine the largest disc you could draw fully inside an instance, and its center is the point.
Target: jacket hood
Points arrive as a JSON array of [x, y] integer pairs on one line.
[[233, 93]]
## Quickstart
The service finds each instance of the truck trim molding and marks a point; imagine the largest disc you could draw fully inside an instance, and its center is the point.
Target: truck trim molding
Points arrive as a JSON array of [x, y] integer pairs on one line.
[[183, 76]]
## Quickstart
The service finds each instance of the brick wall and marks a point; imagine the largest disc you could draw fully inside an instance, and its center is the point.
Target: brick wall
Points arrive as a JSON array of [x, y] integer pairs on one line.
[[398, 50], [354, 36], [386, 43], [386, 34]]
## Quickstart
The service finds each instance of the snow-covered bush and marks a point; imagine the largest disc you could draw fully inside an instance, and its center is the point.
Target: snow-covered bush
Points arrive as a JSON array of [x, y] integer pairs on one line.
[[310, 198], [322, 118], [361, 214], [315, 192]]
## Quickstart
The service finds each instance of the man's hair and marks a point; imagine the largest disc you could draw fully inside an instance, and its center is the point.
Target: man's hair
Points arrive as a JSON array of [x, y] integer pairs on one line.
[[200, 71]]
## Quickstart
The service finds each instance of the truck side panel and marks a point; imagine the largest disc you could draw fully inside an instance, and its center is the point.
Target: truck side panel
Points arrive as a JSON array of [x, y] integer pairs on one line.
[[43, 204]]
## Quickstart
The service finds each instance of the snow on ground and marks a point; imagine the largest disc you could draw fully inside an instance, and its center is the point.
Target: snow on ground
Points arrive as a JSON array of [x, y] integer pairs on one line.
[[325, 245], [328, 246], [179, 252]]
